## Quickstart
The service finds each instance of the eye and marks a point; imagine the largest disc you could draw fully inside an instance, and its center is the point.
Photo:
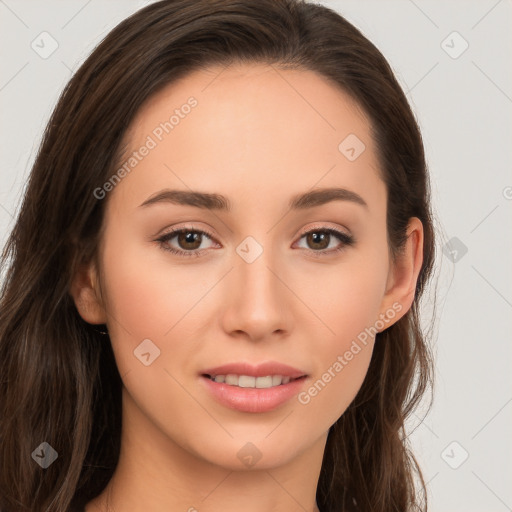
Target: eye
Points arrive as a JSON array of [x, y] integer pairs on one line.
[[189, 241], [320, 239]]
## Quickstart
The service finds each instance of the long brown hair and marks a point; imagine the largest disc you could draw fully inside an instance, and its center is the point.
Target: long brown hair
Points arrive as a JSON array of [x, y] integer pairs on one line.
[[59, 380]]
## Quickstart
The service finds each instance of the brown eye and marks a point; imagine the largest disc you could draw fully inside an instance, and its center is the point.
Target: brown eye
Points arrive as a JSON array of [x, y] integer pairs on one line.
[[319, 240], [188, 241]]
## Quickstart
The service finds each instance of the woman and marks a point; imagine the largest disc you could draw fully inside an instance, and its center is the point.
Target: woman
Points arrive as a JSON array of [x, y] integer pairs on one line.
[[275, 369]]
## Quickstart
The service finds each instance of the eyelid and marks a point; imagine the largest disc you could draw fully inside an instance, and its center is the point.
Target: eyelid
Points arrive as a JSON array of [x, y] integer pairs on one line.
[[319, 226], [324, 226], [176, 230]]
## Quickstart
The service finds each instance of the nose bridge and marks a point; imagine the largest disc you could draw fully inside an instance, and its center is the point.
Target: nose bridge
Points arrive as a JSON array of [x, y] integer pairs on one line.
[[257, 302], [257, 281]]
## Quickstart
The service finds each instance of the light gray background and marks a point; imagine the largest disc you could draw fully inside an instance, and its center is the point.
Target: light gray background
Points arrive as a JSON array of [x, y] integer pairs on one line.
[[464, 107]]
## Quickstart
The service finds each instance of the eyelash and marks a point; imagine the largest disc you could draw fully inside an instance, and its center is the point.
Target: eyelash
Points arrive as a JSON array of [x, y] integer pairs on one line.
[[346, 241]]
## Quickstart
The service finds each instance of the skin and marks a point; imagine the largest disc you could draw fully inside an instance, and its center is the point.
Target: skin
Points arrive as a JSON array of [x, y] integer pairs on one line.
[[259, 135]]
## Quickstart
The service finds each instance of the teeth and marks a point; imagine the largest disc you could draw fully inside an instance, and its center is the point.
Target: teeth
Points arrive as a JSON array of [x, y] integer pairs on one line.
[[246, 381], [232, 380]]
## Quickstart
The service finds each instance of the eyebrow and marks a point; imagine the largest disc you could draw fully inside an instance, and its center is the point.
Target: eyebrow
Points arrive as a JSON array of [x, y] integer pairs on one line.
[[218, 202]]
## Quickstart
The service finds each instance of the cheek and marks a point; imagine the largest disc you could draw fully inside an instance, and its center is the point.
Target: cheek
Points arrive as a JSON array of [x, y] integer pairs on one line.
[[331, 392], [347, 299], [342, 356], [146, 292], [147, 298]]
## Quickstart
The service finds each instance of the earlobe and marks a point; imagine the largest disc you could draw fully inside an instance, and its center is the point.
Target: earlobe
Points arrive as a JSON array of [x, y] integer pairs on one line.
[[85, 294], [403, 274]]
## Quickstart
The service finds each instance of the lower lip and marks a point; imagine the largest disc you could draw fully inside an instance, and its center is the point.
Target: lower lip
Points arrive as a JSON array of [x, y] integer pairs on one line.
[[253, 399]]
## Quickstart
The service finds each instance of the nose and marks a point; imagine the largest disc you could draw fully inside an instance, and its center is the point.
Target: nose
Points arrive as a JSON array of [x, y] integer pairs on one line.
[[257, 300]]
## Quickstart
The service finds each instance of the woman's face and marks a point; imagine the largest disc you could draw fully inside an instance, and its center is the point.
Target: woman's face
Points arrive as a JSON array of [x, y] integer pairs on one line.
[[257, 288]]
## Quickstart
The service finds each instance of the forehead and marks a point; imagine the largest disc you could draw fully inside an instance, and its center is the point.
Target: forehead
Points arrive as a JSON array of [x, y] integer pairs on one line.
[[257, 100], [252, 127]]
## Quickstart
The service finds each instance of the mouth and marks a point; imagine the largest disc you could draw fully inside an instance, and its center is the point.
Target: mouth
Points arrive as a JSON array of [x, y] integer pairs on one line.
[[252, 388], [250, 381]]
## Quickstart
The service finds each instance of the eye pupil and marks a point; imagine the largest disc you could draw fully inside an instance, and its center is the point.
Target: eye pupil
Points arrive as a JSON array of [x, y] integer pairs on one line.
[[189, 237], [318, 238]]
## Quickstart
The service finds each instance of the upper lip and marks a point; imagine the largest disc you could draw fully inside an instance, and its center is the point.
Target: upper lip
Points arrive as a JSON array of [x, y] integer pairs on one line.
[[258, 370]]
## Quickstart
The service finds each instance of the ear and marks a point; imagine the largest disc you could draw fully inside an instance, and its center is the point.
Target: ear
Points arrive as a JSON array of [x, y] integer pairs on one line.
[[403, 273], [85, 292]]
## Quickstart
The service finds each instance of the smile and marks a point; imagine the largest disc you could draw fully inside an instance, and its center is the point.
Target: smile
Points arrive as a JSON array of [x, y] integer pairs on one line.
[[248, 381]]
